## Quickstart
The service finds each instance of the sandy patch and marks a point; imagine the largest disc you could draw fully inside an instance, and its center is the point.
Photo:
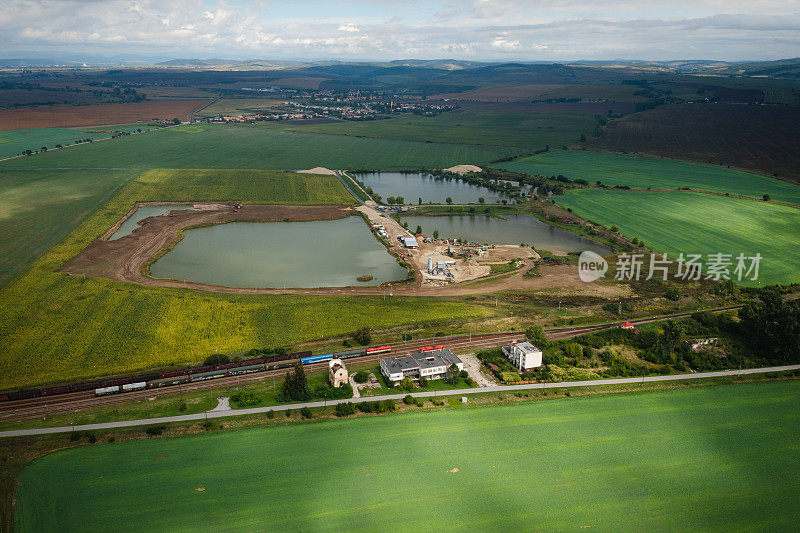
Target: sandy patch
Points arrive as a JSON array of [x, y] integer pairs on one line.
[[463, 169], [318, 170]]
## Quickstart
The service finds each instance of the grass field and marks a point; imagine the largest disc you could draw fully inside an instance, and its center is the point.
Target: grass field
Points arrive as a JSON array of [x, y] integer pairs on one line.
[[65, 116], [644, 172], [237, 106], [13, 142], [39, 207], [675, 222], [55, 327], [718, 458], [759, 138], [253, 146], [503, 125]]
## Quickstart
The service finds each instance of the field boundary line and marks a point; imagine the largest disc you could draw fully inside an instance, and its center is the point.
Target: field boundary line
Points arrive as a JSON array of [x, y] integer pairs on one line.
[[427, 394]]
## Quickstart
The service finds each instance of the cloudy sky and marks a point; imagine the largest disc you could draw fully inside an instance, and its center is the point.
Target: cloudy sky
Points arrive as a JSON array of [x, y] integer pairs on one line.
[[535, 30]]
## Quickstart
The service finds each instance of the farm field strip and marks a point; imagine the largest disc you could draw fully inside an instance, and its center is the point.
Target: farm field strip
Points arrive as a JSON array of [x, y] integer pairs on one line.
[[13, 142], [648, 172], [253, 146], [675, 222], [659, 451]]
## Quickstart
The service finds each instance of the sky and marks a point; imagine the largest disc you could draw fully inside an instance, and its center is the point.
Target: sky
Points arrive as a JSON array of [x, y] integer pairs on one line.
[[481, 30]]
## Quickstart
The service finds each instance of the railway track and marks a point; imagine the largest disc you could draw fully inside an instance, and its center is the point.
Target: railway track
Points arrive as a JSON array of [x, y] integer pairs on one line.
[[48, 405]]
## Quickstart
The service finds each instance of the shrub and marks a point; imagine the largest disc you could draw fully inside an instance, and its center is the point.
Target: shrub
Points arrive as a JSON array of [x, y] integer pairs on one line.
[[92, 439], [217, 359], [673, 294], [464, 374], [182, 407], [270, 414], [344, 409], [74, 437], [423, 382], [408, 399], [156, 430], [306, 412], [246, 397], [509, 377], [363, 336], [361, 376], [406, 384]]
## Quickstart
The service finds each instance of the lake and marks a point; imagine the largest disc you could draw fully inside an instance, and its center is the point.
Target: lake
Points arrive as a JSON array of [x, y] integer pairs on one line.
[[145, 211], [516, 229], [414, 186], [322, 253]]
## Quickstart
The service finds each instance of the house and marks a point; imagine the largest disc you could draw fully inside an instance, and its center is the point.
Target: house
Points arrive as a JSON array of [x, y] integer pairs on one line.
[[337, 373], [432, 364], [523, 355], [628, 326]]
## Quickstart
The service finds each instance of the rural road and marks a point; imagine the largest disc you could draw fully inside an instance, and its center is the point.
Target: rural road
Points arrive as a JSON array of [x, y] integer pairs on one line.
[[464, 392]]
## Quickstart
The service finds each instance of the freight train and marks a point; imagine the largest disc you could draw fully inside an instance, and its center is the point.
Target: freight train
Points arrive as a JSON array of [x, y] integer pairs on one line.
[[193, 374]]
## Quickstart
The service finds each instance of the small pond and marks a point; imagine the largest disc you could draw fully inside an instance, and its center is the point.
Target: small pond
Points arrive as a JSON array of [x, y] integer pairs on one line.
[[414, 186], [516, 229], [322, 253], [145, 211]]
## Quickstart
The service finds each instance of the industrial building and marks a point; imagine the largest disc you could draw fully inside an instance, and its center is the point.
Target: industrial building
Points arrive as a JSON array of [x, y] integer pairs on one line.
[[523, 355], [337, 373], [408, 242], [431, 364]]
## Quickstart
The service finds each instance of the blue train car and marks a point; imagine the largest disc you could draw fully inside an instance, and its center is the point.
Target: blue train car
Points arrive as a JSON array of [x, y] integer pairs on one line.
[[316, 358]]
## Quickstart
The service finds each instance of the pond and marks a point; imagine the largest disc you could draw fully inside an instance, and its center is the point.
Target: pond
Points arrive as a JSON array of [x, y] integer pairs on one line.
[[516, 229], [322, 253], [145, 211], [414, 186]]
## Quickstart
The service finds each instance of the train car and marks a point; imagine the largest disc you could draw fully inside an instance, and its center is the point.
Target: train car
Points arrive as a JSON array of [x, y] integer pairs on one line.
[[256, 361], [278, 366], [168, 382], [226, 366], [115, 382], [203, 376], [139, 385], [55, 390], [246, 369], [316, 358], [102, 391], [379, 349], [431, 348], [91, 385], [200, 369], [25, 394], [295, 355], [145, 377], [172, 373], [346, 354], [5, 397]]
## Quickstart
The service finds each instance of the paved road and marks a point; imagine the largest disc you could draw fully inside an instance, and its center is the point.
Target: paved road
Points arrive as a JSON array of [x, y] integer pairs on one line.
[[463, 392]]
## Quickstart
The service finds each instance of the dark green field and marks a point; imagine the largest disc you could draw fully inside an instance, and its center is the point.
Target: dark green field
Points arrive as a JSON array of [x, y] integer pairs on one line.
[[39, 207], [687, 222], [655, 173], [717, 458], [13, 142], [496, 125], [252, 146]]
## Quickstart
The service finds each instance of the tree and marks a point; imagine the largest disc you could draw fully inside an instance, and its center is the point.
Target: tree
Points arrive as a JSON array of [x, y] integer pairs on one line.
[[436, 234], [176, 121], [390, 199], [448, 200], [614, 228], [407, 384], [583, 137], [766, 197], [423, 382], [217, 359], [419, 230], [363, 336], [295, 385], [306, 412], [361, 376], [452, 374], [400, 200], [535, 334], [419, 201], [481, 200]]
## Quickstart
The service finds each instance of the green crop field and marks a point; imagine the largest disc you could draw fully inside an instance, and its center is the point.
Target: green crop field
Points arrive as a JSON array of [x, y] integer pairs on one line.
[[644, 172], [238, 106], [39, 207], [675, 222], [249, 186], [55, 327], [717, 458], [508, 125], [254, 146], [13, 142]]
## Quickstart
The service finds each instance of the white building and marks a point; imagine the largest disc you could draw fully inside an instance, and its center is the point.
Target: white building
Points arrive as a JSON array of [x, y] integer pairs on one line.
[[432, 364], [523, 355], [337, 373], [409, 242]]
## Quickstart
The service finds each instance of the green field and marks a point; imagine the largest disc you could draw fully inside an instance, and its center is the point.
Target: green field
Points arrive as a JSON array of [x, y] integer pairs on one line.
[[254, 146], [504, 126], [55, 327], [13, 142], [39, 207], [675, 222], [717, 458], [238, 106], [648, 172]]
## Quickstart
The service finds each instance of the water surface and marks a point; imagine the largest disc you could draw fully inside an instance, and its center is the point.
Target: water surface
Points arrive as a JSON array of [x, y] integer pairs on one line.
[[145, 211], [517, 229], [414, 186], [322, 253]]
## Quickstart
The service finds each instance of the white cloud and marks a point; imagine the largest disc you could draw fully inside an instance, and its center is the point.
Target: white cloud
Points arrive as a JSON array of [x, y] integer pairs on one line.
[[349, 27]]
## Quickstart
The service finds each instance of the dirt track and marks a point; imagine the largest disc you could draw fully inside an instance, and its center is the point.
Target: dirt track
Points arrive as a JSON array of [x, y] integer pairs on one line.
[[123, 259]]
